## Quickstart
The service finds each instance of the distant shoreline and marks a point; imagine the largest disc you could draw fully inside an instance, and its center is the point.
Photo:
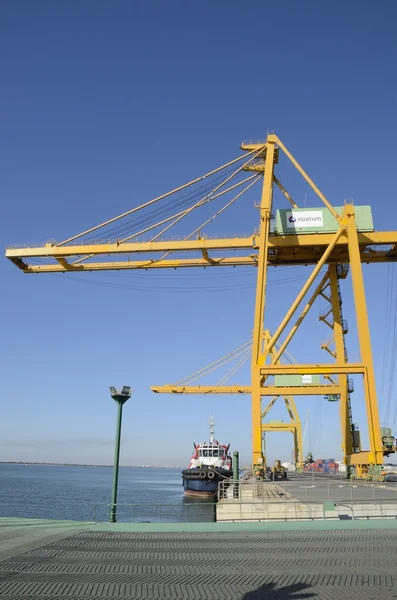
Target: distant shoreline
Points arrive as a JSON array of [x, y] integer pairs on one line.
[[50, 464]]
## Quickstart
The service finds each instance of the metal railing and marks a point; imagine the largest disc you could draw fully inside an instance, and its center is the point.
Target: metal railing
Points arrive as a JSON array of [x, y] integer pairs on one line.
[[296, 511], [260, 501], [305, 498], [248, 142], [239, 512], [308, 489], [139, 239], [183, 512]]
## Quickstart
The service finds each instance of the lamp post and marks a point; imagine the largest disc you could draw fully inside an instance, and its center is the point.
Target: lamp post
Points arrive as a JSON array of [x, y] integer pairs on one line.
[[121, 398]]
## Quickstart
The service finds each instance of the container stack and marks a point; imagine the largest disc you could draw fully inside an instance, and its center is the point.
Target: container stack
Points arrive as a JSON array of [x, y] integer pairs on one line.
[[323, 465]]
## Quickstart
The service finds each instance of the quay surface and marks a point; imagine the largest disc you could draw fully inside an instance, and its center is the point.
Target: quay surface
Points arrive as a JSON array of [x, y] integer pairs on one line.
[[245, 561], [307, 498]]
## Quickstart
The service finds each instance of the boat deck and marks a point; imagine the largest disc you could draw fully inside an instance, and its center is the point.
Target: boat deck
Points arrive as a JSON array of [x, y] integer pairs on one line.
[[52, 559]]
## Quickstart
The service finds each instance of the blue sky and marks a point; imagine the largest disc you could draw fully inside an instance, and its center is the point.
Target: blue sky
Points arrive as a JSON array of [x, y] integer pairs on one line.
[[107, 104]]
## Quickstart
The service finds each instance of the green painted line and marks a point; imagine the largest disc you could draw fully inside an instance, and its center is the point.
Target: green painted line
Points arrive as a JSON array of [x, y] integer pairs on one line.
[[47, 524], [322, 525]]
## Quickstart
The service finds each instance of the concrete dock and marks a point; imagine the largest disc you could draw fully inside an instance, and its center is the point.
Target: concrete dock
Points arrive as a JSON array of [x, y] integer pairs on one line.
[[251, 561], [303, 498]]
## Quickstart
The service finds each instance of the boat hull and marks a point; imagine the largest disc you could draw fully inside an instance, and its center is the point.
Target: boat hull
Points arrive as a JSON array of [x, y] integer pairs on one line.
[[203, 482], [200, 487]]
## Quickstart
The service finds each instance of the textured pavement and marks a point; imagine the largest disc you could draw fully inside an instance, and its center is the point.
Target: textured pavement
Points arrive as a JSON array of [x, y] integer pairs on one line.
[[249, 565], [318, 490]]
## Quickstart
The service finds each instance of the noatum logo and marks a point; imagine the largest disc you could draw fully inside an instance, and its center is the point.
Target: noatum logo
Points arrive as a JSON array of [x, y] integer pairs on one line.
[[308, 218], [304, 219]]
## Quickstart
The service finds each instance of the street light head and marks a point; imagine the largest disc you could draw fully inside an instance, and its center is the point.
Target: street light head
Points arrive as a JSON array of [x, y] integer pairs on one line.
[[120, 396]]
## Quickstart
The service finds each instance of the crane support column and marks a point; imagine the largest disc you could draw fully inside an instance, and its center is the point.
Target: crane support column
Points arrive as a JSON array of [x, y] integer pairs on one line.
[[375, 442], [340, 358], [265, 212], [295, 420]]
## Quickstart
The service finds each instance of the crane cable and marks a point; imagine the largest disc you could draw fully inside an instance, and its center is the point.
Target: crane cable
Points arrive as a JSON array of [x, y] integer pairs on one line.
[[252, 153], [193, 289], [159, 212], [236, 367], [183, 213], [220, 211], [214, 365]]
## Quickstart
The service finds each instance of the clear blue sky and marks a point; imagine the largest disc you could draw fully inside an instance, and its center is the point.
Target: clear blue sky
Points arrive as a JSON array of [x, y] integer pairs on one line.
[[105, 105]]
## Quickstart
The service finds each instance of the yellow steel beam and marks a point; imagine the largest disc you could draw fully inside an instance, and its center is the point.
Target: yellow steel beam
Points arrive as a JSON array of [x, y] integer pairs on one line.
[[284, 191], [291, 408], [230, 261], [50, 250], [301, 317], [359, 458], [248, 261], [360, 303], [303, 390], [294, 425], [315, 242], [201, 389], [335, 301], [328, 349], [306, 177], [278, 426], [295, 420], [319, 369], [260, 298], [63, 262], [283, 250], [268, 390], [271, 403]]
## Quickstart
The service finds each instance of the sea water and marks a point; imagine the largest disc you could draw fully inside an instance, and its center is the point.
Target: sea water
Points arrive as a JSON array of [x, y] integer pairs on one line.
[[84, 493]]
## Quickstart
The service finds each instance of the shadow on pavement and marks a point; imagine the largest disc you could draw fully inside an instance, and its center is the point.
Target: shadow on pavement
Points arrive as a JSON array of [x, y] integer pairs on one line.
[[289, 592]]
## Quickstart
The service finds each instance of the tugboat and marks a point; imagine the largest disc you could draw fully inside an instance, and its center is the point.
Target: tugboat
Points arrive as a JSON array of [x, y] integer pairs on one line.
[[210, 463]]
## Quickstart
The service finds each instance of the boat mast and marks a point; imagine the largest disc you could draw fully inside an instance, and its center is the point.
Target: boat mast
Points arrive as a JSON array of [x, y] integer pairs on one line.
[[211, 430]]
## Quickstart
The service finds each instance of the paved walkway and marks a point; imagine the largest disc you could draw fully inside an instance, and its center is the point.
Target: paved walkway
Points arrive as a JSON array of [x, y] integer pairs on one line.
[[318, 490], [86, 562]]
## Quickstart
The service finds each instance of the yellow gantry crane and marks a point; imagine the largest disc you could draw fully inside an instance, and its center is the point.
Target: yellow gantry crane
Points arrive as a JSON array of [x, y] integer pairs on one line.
[[300, 238]]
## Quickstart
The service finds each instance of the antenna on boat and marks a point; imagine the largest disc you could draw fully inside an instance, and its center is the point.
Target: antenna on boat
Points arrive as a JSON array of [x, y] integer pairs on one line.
[[211, 429]]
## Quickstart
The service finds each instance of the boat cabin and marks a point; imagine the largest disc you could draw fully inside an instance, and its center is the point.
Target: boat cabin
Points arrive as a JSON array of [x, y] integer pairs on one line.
[[211, 452]]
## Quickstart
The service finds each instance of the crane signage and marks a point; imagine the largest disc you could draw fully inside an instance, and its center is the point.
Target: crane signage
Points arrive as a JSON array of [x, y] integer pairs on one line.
[[307, 218]]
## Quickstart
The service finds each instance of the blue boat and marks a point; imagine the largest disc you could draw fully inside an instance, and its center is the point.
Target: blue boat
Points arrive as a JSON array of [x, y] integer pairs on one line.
[[210, 463]]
